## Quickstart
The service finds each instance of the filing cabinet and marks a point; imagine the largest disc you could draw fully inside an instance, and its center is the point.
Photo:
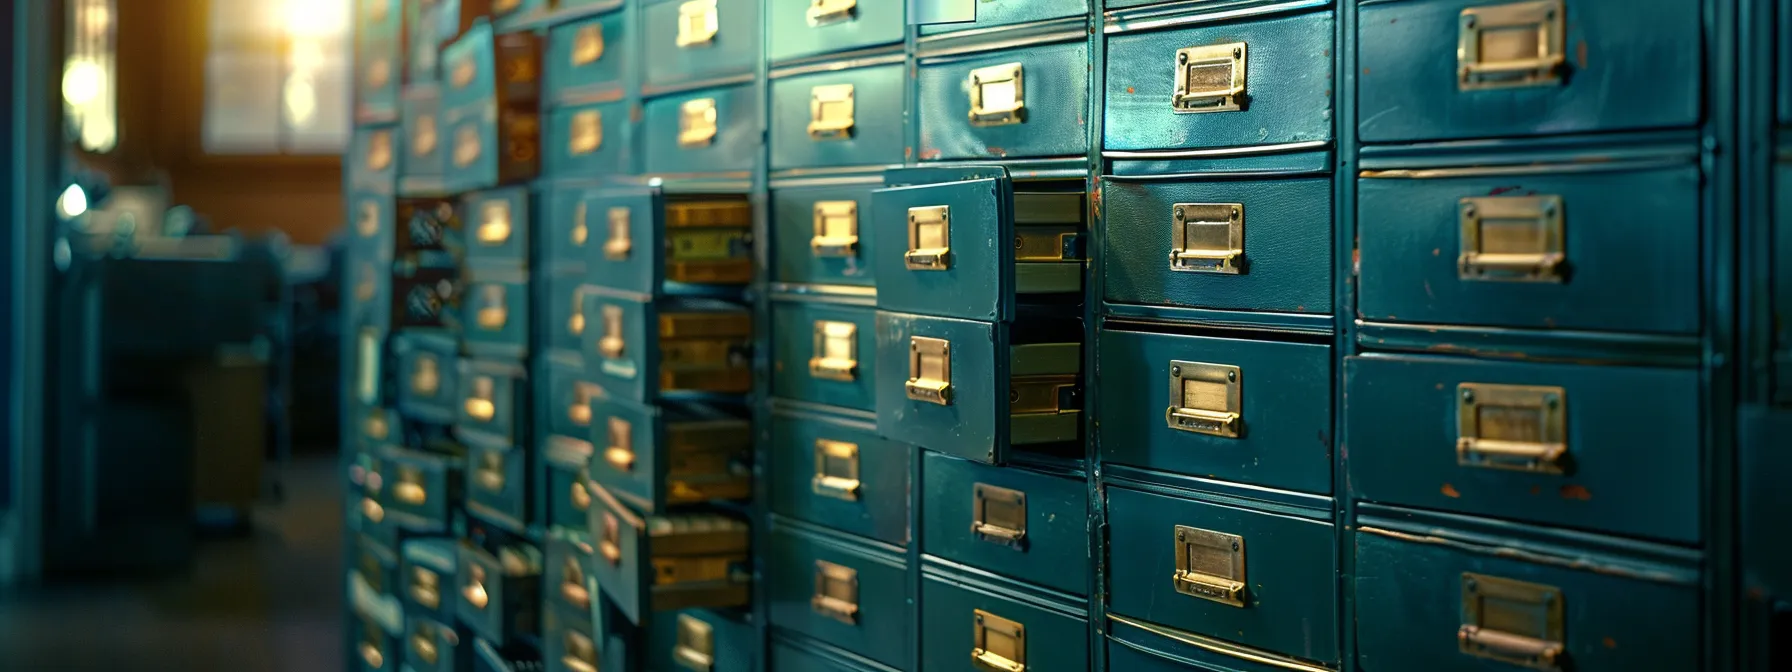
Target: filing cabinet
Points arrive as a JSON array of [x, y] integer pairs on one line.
[[1026, 103], [372, 160], [495, 313], [587, 139], [650, 564], [838, 117], [500, 592], [800, 29], [840, 590], [707, 131], [652, 243], [588, 60], [1025, 525], [498, 485], [498, 227], [838, 473], [422, 489], [491, 108], [428, 364], [568, 645], [564, 586], [686, 41], [492, 396], [374, 647], [822, 235], [657, 456], [827, 354], [423, 30], [425, 155], [645, 350]]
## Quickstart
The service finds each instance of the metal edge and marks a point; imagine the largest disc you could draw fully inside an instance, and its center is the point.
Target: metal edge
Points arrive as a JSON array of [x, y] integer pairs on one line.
[[1192, 13]]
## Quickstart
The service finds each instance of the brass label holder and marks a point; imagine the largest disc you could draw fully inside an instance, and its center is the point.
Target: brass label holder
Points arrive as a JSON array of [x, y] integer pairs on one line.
[[836, 592], [1206, 399], [836, 229], [1210, 565], [1209, 79], [620, 454], [998, 644], [697, 24], [493, 310], [1207, 238], [1513, 427], [695, 649], [929, 370], [836, 470], [825, 12], [998, 95], [494, 223], [831, 112], [611, 345], [1512, 622], [929, 239], [466, 146], [620, 242], [697, 123], [587, 132], [480, 403], [588, 44], [1512, 239], [1520, 44], [999, 515], [836, 351]]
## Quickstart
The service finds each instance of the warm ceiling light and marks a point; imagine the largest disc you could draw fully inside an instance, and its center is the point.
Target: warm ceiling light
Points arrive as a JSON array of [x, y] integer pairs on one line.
[[301, 100]]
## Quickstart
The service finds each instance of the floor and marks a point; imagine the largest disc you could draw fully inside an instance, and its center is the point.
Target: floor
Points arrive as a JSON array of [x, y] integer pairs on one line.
[[269, 600]]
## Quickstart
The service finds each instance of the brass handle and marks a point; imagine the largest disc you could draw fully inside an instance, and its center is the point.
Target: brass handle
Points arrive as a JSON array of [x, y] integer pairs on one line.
[[929, 370], [577, 665], [1207, 238], [467, 149], [611, 551], [1512, 239], [494, 222], [371, 655], [410, 493], [697, 123], [581, 498], [696, 644], [1205, 399], [575, 592], [993, 662], [1511, 45], [836, 470], [697, 24], [481, 409], [824, 12], [491, 476], [475, 595], [997, 644], [836, 592], [836, 229], [1539, 654], [425, 648], [929, 239], [999, 515], [372, 510], [831, 112], [427, 596], [1513, 427], [1210, 565], [998, 95], [587, 133], [588, 45], [836, 351], [1209, 79]]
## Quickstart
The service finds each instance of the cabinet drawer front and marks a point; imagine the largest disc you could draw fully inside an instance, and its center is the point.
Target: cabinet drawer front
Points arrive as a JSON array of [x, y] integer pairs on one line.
[[423, 32], [372, 161], [1609, 67], [498, 485], [1286, 85], [708, 131], [588, 58], [653, 457], [842, 475], [823, 235], [379, 75], [807, 132], [798, 28], [1413, 619], [621, 346], [432, 645], [568, 643], [566, 474], [429, 583], [1275, 254], [1252, 412], [569, 398], [492, 396], [972, 511], [693, 40], [373, 222], [565, 310], [992, 13], [639, 350], [495, 315], [425, 146], [422, 489], [967, 278], [694, 638], [501, 596], [587, 140], [1554, 444], [374, 647], [668, 563], [1052, 96], [1265, 581], [854, 598], [1583, 251], [970, 629], [825, 354], [570, 223], [563, 585], [647, 243], [498, 223]]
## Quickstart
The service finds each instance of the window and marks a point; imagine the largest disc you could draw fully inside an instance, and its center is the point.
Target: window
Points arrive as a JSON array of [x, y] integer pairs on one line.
[[278, 77], [90, 101]]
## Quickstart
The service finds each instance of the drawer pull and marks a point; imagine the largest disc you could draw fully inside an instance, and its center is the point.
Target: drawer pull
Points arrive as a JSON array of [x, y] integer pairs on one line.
[[1516, 427], [587, 132], [494, 223], [423, 138], [836, 592], [697, 23], [376, 427], [575, 324], [580, 232], [479, 405], [696, 646], [831, 112], [369, 223], [466, 146], [1512, 45], [998, 644], [493, 312], [610, 544], [409, 489], [462, 73], [1210, 565], [1528, 615], [620, 243], [579, 497], [425, 647], [490, 474], [378, 11], [836, 470], [371, 655], [836, 229], [1206, 398], [572, 585], [588, 44], [1207, 238], [1512, 239], [581, 653], [475, 592], [620, 454], [379, 73], [611, 345], [999, 515], [836, 351], [697, 123], [823, 12], [1209, 79], [929, 239], [379, 150], [929, 370], [370, 353], [580, 410], [372, 511], [998, 95], [426, 588], [426, 376], [502, 6]]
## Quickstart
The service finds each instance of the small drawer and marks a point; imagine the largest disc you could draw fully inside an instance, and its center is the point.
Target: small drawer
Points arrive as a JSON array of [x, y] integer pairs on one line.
[[1027, 103], [379, 21], [374, 426], [422, 297], [495, 313], [422, 489], [842, 592], [700, 640], [433, 645], [489, 657], [934, 255], [493, 396], [367, 291], [374, 218], [369, 387], [569, 398], [498, 224], [372, 160], [565, 492], [428, 574], [483, 68], [641, 350], [426, 376], [500, 595], [423, 42], [1260, 82], [1025, 525], [647, 240], [569, 224], [825, 354], [563, 584], [1261, 246], [376, 572], [425, 154], [839, 117], [1575, 250], [1449, 608], [857, 482], [696, 40], [427, 225], [823, 235], [375, 649], [1253, 412], [378, 79], [968, 389], [799, 28], [587, 140], [671, 562], [588, 59], [707, 131], [491, 146], [658, 456], [565, 311], [993, 13], [498, 485], [1450, 69], [568, 644], [968, 628], [1260, 580], [1554, 444]]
